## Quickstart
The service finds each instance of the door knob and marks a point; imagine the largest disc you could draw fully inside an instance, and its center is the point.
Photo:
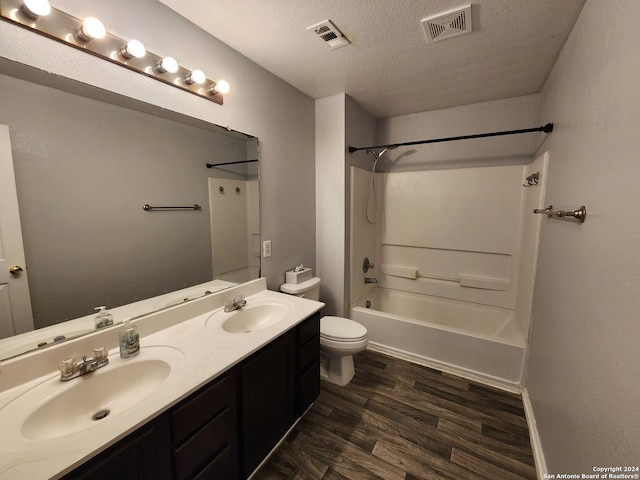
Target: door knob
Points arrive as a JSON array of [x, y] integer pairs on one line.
[[16, 270]]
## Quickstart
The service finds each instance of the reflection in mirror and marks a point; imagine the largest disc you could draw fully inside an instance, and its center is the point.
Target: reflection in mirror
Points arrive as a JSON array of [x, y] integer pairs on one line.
[[84, 167]]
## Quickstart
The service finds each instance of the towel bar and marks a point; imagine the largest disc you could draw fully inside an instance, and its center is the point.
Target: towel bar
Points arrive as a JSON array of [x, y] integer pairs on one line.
[[148, 208], [580, 214]]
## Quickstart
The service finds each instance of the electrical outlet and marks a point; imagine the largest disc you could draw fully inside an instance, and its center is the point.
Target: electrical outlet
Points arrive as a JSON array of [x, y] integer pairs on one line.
[[266, 248]]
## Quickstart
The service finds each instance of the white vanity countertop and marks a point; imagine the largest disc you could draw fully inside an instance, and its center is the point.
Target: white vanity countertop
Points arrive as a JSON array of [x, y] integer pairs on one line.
[[193, 328], [28, 341]]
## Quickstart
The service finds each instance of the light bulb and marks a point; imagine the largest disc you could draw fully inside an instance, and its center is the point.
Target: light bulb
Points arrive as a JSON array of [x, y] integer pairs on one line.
[[197, 77], [222, 87], [34, 9], [91, 29], [133, 48], [167, 65]]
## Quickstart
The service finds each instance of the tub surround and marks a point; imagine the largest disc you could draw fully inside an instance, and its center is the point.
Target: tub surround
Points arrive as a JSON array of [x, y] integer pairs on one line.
[[208, 352], [460, 229], [475, 341], [461, 237]]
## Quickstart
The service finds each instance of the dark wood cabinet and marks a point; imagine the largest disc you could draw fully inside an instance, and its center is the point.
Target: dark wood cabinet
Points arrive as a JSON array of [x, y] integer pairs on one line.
[[307, 376], [277, 385], [226, 428], [266, 399], [194, 440], [143, 455], [204, 428]]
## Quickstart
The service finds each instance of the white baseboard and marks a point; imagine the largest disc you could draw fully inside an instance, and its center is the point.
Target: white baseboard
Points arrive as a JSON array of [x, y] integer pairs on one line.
[[445, 367], [536, 445]]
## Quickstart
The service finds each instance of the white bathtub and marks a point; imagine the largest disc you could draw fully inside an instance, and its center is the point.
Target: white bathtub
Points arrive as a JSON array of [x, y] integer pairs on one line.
[[477, 341]]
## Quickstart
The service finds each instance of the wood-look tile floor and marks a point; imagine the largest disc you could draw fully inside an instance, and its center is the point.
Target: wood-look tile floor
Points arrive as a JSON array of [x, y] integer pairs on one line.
[[398, 420]]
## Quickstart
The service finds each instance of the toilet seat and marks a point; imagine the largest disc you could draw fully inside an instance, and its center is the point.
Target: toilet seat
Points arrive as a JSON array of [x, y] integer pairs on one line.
[[340, 347], [339, 329]]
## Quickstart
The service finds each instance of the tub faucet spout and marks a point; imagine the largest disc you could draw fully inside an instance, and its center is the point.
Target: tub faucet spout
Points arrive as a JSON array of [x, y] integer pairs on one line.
[[370, 280]]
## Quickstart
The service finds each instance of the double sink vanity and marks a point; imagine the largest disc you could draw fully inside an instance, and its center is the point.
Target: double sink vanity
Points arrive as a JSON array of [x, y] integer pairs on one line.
[[210, 394]]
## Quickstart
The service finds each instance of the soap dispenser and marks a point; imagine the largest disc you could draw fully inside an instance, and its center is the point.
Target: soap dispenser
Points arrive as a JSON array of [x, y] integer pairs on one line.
[[103, 319], [129, 340]]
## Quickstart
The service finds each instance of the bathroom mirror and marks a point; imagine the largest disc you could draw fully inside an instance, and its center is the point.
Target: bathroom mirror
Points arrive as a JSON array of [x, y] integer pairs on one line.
[[87, 161]]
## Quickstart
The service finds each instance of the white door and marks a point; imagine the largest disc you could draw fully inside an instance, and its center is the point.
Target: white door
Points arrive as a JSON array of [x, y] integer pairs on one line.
[[15, 303]]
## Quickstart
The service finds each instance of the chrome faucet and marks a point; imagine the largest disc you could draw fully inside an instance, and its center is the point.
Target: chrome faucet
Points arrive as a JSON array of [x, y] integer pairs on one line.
[[370, 280], [234, 303], [71, 368]]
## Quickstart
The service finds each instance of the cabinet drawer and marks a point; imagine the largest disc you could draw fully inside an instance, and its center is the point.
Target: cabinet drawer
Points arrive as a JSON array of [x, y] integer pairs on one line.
[[308, 329], [308, 353], [193, 454], [221, 467], [203, 407], [308, 387]]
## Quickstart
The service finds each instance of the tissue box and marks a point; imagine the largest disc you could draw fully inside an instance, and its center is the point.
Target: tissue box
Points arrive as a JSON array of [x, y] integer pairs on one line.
[[298, 277]]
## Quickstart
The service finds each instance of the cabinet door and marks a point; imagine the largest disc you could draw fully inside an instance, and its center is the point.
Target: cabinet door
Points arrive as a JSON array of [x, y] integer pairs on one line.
[[267, 410], [144, 455], [308, 363]]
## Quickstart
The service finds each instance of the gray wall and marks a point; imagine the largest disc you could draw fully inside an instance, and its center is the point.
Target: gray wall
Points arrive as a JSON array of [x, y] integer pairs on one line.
[[585, 362], [81, 185], [331, 219], [359, 132], [259, 104], [497, 115], [340, 122]]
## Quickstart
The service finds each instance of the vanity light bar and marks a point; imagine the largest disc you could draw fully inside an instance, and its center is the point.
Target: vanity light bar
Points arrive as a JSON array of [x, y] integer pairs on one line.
[[131, 54]]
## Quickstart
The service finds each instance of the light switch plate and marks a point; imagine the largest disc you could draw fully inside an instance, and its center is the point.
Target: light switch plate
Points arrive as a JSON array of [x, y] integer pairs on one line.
[[266, 248]]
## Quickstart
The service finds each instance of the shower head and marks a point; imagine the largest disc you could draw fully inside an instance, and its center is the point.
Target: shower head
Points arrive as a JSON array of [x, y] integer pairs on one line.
[[381, 152]]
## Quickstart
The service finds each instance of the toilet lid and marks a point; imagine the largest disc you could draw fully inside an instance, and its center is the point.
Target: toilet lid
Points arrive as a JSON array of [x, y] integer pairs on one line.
[[338, 328]]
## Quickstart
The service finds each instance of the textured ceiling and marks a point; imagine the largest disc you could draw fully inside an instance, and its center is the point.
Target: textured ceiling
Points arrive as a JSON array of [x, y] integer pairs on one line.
[[390, 68]]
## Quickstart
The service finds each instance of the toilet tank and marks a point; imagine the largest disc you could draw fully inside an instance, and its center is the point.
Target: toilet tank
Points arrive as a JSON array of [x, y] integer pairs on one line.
[[309, 289]]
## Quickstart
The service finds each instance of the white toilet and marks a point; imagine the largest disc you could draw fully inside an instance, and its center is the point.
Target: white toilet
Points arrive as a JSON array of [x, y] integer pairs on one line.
[[340, 338]]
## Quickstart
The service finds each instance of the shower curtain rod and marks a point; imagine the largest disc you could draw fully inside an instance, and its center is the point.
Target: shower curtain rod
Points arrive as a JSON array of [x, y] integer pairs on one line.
[[548, 128]]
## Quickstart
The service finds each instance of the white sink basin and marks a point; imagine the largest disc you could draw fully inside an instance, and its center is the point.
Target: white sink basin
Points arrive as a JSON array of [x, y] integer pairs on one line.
[[256, 315], [55, 409]]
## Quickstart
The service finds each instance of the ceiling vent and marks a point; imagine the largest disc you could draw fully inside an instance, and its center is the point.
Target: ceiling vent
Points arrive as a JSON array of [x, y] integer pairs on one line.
[[446, 25], [329, 34]]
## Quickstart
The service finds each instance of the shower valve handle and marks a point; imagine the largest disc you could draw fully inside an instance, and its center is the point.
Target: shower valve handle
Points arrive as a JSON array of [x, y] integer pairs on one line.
[[366, 265]]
